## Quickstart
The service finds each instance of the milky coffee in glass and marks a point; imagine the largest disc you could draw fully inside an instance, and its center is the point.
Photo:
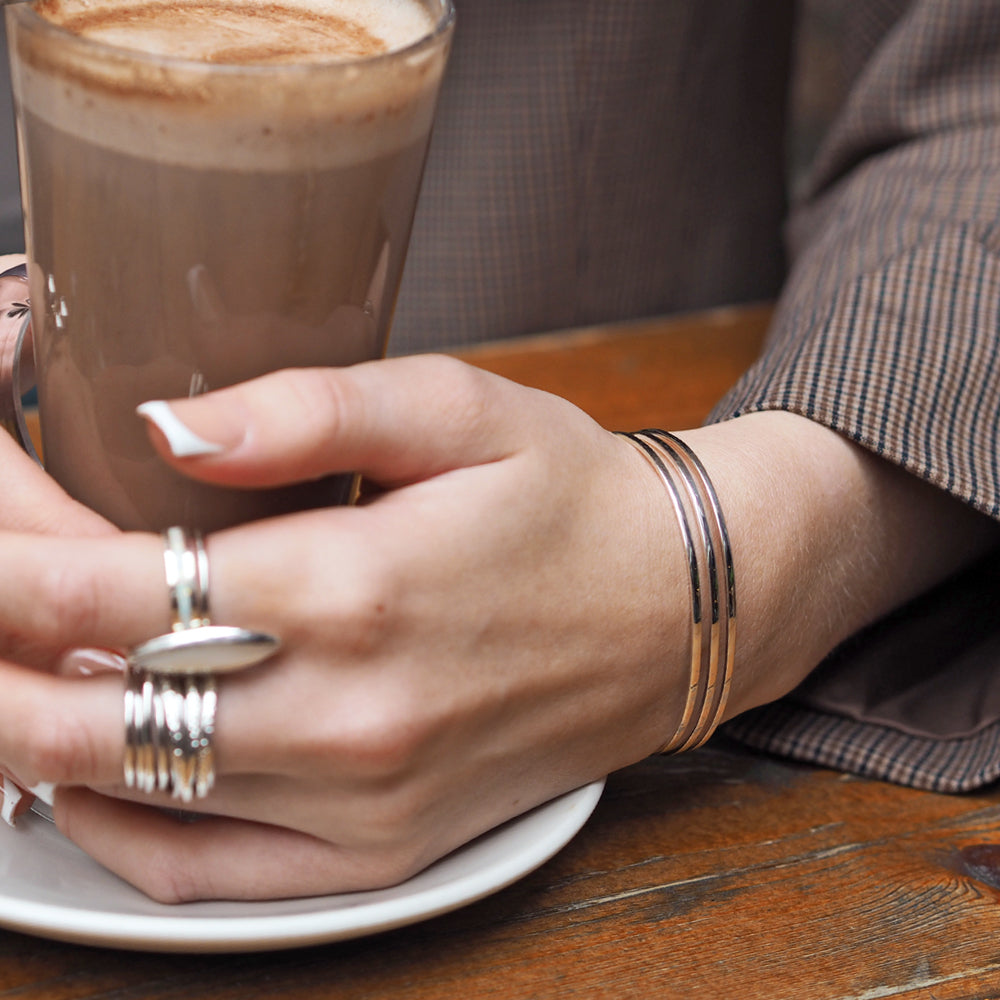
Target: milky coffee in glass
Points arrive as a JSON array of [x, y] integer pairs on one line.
[[212, 190]]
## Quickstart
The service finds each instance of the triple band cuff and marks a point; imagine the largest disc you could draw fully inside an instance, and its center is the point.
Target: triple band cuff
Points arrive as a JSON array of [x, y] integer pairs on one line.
[[707, 550]]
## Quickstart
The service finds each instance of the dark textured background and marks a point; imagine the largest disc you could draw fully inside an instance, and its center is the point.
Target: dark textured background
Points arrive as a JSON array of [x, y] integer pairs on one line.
[[817, 91]]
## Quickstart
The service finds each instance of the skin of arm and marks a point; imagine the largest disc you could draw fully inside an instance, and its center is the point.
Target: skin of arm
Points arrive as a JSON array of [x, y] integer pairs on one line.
[[830, 538]]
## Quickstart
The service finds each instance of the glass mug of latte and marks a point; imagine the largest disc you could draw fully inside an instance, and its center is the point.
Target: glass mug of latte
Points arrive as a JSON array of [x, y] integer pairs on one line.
[[212, 191]]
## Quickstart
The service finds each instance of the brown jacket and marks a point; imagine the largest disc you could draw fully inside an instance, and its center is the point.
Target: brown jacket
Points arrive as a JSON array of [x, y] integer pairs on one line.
[[601, 160]]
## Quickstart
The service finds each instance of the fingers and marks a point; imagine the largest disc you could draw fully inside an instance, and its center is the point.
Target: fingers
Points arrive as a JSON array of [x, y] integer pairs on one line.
[[13, 310], [34, 502], [66, 731], [106, 592], [110, 593], [395, 421], [58, 730], [176, 861], [14, 801]]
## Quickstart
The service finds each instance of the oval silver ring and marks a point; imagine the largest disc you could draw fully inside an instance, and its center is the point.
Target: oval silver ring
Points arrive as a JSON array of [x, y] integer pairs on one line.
[[206, 649], [170, 687]]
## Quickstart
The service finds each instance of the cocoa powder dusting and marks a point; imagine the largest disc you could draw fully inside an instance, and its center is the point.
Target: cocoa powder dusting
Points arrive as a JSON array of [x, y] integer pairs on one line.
[[282, 33]]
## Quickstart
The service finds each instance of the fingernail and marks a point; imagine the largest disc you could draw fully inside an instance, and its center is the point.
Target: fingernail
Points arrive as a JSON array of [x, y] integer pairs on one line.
[[11, 797], [45, 791], [182, 441], [87, 662]]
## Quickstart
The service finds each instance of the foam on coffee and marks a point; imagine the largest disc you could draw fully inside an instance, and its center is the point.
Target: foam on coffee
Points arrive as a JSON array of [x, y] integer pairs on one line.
[[173, 102], [241, 32]]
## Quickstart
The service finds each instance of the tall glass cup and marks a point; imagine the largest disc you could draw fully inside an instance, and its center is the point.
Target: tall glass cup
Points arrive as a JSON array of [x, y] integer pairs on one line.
[[192, 224]]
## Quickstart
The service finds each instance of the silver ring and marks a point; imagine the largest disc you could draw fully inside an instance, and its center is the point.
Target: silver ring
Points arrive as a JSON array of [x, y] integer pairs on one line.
[[186, 563], [171, 693], [169, 725]]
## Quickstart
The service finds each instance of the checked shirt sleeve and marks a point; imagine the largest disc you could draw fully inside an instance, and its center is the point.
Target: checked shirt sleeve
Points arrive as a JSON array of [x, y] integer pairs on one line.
[[889, 327], [888, 331]]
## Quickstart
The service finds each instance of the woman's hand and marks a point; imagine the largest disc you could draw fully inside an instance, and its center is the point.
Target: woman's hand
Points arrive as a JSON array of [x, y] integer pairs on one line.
[[472, 641], [505, 620]]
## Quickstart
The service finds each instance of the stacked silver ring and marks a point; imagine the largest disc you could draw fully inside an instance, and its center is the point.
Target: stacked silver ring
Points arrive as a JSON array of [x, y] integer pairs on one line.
[[171, 691], [169, 724]]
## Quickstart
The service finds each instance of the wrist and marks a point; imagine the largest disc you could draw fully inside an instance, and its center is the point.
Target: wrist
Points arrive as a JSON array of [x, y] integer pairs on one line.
[[827, 538]]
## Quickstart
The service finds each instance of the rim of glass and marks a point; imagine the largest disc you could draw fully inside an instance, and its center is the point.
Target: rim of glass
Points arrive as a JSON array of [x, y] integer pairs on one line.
[[38, 23]]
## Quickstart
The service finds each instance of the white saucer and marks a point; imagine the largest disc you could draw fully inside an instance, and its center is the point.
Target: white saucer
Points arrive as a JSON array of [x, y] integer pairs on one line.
[[49, 887]]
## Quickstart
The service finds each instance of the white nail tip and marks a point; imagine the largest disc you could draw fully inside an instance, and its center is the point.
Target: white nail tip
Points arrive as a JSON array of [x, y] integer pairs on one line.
[[183, 442], [45, 791], [11, 797]]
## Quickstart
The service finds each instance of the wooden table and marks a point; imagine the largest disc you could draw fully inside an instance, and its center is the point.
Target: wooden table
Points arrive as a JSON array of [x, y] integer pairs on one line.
[[717, 874]]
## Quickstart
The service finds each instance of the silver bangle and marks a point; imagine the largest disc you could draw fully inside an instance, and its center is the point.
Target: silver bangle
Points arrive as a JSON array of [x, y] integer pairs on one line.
[[712, 655]]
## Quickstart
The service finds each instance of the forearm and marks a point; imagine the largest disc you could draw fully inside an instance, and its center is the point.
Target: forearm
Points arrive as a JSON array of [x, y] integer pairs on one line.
[[827, 538]]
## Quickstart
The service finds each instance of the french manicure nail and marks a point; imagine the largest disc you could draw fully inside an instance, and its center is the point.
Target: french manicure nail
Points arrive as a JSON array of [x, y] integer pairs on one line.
[[45, 791], [11, 797], [182, 441], [87, 662]]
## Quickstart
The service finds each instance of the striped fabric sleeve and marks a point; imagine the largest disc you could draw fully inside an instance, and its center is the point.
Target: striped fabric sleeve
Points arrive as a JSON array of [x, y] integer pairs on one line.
[[871, 750], [888, 327], [888, 331]]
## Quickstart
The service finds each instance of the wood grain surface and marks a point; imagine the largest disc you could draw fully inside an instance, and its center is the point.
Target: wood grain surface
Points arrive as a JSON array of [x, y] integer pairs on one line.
[[719, 873], [648, 373]]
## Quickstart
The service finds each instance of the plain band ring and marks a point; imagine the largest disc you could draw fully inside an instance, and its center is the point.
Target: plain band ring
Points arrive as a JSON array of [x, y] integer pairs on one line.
[[171, 693], [185, 561]]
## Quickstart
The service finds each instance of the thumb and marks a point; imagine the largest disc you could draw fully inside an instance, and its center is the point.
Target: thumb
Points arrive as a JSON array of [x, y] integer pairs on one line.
[[13, 314], [395, 421], [33, 502]]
